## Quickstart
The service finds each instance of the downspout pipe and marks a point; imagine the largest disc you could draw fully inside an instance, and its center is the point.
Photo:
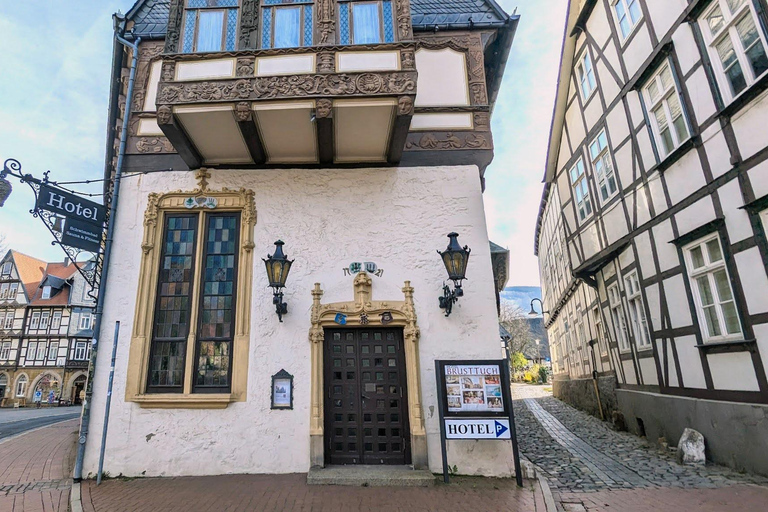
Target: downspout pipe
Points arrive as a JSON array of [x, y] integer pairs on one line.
[[86, 416]]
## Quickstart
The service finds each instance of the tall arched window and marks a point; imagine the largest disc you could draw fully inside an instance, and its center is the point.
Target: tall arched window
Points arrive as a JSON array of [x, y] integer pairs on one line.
[[21, 386], [210, 26], [286, 23]]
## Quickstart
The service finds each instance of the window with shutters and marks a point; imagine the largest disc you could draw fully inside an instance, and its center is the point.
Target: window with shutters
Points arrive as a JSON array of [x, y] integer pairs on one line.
[[669, 124], [737, 45]]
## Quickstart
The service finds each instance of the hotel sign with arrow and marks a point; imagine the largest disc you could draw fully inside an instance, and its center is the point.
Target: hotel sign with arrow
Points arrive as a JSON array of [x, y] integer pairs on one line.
[[83, 222]]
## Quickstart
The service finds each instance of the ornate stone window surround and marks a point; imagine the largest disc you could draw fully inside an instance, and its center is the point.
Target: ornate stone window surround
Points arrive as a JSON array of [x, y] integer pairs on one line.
[[403, 315], [159, 205]]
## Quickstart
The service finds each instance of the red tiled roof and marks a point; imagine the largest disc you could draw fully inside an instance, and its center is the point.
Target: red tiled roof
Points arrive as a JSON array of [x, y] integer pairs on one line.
[[62, 271], [31, 271]]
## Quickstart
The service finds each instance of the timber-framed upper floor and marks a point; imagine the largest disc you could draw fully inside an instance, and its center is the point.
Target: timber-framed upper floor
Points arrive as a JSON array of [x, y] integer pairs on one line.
[[271, 83]]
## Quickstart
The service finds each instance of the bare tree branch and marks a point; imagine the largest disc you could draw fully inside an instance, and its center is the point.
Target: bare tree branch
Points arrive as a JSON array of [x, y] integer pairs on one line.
[[515, 321]]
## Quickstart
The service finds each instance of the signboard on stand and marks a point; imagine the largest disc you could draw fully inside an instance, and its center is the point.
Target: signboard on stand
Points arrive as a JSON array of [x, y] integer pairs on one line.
[[475, 403]]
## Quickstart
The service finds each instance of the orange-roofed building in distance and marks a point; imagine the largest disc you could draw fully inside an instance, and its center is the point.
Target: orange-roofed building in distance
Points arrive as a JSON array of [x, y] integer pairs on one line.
[[45, 328]]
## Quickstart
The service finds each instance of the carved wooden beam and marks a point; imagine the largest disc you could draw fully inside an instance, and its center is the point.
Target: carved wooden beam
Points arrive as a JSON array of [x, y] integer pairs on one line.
[[245, 121], [173, 33], [184, 147], [400, 129], [361, 85], [403, 15], [324, 126], [249, 25], [325, 27]]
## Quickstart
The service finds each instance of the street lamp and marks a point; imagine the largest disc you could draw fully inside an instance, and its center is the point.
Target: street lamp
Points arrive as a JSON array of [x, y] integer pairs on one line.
[[278, 266], [533, 310], [455, 259]]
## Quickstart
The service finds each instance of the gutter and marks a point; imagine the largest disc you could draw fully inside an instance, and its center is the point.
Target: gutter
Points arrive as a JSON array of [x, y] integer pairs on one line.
[[117, 66]]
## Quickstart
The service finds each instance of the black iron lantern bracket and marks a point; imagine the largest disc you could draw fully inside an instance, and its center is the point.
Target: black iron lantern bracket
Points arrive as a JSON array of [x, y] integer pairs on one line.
[[12, 167], [278, 266], [455, 259]]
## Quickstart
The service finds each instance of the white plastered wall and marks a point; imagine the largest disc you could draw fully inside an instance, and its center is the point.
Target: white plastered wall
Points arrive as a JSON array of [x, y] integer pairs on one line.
[[327, 218]]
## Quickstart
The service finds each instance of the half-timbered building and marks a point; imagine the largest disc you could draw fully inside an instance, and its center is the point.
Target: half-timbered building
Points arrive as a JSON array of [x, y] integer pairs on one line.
[[358, 133], [652, 229]]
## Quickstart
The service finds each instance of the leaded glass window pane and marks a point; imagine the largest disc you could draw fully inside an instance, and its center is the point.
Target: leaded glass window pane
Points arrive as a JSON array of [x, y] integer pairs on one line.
[[366, 23], [171, 325], [217, 311]]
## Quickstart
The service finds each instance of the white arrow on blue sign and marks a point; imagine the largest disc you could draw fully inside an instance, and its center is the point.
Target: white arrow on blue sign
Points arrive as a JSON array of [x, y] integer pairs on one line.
[[476, 428]]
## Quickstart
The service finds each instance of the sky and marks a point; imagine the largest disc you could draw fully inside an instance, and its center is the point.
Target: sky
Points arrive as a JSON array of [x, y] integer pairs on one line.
[[54, 89]]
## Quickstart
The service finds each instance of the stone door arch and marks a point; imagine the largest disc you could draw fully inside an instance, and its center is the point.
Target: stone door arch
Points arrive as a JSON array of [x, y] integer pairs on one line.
[[363, 311]]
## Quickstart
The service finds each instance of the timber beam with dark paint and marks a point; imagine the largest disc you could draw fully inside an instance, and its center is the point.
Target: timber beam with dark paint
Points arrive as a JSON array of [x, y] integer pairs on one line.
[[176, 135], [400, 129], [250, 133], [324, 127]]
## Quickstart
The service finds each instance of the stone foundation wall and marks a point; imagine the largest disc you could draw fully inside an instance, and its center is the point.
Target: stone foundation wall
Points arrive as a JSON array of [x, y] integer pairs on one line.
[[735, 434], [580, 393]]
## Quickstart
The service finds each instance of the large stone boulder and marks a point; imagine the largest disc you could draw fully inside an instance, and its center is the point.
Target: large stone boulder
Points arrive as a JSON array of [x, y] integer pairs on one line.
[[690, 448]]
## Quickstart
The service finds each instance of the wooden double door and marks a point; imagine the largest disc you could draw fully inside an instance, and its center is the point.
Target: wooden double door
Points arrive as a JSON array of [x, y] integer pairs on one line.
[[366, 399]]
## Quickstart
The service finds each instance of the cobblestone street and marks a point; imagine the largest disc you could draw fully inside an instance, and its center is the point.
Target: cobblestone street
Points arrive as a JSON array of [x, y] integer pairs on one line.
[[590, 467]]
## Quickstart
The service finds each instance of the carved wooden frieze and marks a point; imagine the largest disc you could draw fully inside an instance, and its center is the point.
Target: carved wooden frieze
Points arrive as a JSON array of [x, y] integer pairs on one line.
[[448, 140], [173, 33], [286, 87], [249, 25]]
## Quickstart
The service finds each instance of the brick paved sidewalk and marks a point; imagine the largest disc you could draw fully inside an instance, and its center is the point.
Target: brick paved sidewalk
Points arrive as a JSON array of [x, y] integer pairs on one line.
[[36, 468], [291, 493]]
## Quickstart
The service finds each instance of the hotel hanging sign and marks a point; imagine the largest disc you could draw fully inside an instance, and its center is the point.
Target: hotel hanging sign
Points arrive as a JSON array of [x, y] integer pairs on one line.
[[83, 220]]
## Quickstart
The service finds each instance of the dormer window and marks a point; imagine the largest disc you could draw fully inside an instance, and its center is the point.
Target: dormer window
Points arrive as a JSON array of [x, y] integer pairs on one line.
[[286, 23], [46, 292], [210, 26], [362, 22]]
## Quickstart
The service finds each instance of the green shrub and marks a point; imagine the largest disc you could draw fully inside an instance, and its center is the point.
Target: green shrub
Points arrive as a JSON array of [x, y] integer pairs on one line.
[[543, 374]]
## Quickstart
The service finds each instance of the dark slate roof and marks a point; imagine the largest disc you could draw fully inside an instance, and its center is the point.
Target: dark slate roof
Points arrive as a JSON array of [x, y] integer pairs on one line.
[[428, 13], [151, 16]]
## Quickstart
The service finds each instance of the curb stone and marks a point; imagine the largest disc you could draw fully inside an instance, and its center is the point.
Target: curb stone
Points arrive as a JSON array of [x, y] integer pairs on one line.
[[76, 504], [549, 499]]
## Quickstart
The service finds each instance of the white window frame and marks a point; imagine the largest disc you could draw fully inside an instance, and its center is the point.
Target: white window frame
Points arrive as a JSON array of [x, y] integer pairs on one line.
[[21, 386], [31, 350], [602, 341], [580, 183], [618, 318], [5, 350], [585, 75], [600, 146], [45, 318], [2, 319], [85, 321], [709, 269], [640, 326], [13, 290], [34, 322], [10, 316], [730, 20], [626, 5], [6, 269], [42, 350], [53, 350], [4, 289], [46, 293], [81, 349], [56, 320], [662, 101]]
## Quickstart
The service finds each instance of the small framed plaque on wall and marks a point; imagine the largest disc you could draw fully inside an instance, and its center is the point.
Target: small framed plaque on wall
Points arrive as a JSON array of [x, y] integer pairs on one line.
[[282, 390]]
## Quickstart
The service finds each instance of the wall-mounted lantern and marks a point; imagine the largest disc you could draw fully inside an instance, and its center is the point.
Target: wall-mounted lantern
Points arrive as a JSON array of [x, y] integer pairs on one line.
[[278, 265], [455, 260]]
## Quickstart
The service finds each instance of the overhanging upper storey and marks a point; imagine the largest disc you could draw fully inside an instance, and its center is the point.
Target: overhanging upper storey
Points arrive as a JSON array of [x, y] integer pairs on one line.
[[281, 82]]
